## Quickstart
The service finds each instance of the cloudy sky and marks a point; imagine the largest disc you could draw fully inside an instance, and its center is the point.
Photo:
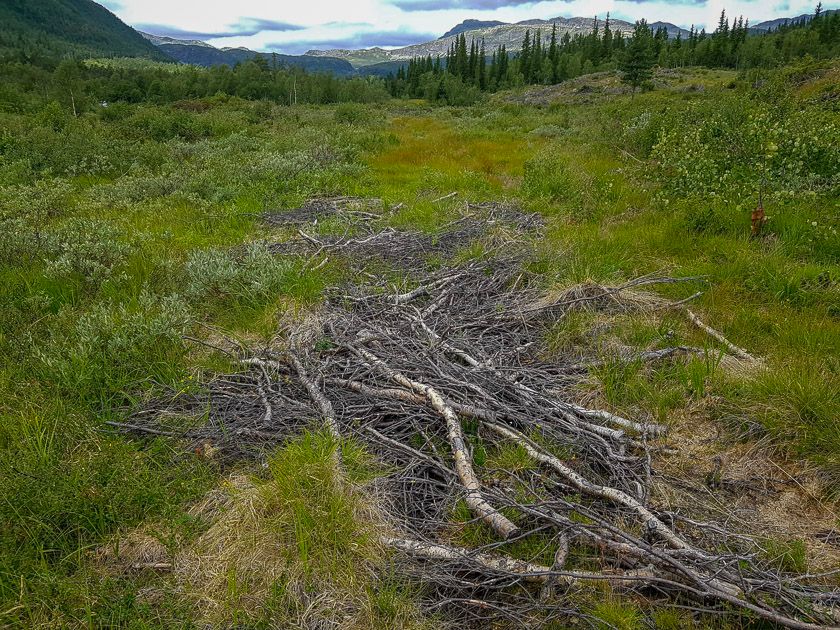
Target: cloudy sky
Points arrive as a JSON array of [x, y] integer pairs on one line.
[[295, 26]]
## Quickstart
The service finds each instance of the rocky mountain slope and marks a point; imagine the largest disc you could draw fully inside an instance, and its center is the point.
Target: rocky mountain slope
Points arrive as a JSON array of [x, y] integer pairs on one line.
[[494, 34], [471, 25]]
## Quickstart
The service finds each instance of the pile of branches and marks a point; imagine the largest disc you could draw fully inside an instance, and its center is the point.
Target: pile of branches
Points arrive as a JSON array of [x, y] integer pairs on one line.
[[499, 224], [433, 378], [320, 208]]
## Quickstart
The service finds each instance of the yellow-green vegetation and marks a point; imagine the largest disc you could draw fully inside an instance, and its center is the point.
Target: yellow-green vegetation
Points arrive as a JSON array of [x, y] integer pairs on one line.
[[128, 227]]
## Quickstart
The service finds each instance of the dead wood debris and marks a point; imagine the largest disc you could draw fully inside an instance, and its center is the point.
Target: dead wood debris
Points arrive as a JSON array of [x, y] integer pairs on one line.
[[429, 377], [317, 209], [402, 373], [499, 224]]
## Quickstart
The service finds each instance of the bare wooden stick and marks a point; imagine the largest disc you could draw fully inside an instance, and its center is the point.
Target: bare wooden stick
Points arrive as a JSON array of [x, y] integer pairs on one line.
[[738, 352], [527, 571], [445, 197], [476, 502], [584, 485], [501, 564], [317, 396], [647, 428]]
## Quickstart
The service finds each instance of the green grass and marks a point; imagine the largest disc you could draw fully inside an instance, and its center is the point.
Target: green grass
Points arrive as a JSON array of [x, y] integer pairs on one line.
[[298, 545], [787, 555], [91, 319], [615, 613]]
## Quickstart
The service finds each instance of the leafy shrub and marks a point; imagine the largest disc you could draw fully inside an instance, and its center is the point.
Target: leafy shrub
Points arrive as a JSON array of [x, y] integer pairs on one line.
[[251, 275], [97, 357], [85, 248], [727, 146], [351, 114], [53, 116], [162, 125], [25, 212]]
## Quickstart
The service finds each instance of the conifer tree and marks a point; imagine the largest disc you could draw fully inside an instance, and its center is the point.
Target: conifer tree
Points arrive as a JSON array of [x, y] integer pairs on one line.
[[553, 54], [462, 68], [607, 43], [525, 57], [637, 63], [482, 67]]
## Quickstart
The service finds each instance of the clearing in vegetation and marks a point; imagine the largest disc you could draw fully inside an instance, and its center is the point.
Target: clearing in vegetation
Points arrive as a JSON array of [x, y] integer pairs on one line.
[[575, 391]]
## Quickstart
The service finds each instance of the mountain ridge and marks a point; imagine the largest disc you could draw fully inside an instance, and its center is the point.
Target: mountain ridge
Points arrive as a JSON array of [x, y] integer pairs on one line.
[[199, 53], [469, 25], [768, 25], [509, 34], [70, 28]]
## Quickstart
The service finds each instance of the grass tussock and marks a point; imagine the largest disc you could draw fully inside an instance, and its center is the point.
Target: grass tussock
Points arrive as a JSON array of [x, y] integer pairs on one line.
[[299, 548]]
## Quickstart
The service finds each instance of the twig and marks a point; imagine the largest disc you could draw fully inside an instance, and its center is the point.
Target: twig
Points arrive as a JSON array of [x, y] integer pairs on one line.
[[738, 352]]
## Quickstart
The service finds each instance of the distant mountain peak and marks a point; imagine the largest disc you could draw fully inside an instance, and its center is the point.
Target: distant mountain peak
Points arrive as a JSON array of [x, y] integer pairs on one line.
[[158, 40], [470, 25]]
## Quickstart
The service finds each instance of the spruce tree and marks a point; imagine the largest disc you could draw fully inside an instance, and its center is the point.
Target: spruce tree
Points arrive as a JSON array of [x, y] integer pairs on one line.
[[536, 59], [482, 67], [637, 63], [607, 40], [525, 57], [462, 68]]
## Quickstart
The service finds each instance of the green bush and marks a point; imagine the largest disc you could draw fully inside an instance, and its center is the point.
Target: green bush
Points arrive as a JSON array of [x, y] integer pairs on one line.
[[249, 276], [351, 114], [732, 146], [98, 357]]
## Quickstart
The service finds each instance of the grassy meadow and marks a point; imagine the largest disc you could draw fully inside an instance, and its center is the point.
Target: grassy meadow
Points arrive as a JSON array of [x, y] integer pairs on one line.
[[128, 231]]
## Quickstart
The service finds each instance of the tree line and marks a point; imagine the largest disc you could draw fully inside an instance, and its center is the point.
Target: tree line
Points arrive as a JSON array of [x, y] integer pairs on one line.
[[466, 70], [80, 85]]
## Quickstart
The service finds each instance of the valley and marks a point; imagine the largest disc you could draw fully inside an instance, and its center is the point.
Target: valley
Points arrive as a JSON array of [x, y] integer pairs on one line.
[[284, 348]]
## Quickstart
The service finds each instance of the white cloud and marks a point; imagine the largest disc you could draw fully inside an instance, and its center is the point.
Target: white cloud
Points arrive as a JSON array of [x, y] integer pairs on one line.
[[333, 21]]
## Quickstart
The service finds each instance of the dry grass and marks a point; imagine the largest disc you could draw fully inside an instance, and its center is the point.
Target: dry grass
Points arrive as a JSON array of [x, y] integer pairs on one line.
[[299, 549], [140, 549], [748, 483]]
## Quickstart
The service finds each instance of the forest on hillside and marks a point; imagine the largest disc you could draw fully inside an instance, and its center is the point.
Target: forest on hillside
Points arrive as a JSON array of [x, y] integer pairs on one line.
[[47, 30], [461, 77], [466, 71]]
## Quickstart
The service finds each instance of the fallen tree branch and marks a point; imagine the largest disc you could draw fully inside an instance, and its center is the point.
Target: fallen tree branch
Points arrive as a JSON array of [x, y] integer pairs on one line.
[[584, 485], [738, 352], [463, 467]]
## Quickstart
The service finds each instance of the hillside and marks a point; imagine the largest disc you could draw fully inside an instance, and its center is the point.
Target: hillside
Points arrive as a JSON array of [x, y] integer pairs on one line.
[[50, 28], [470, 25], [494, 34], [358, 58], [203, 54]]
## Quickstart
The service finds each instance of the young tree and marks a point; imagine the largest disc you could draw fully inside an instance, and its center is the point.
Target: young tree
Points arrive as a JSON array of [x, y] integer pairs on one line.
[[525, 57], [637, 63]]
